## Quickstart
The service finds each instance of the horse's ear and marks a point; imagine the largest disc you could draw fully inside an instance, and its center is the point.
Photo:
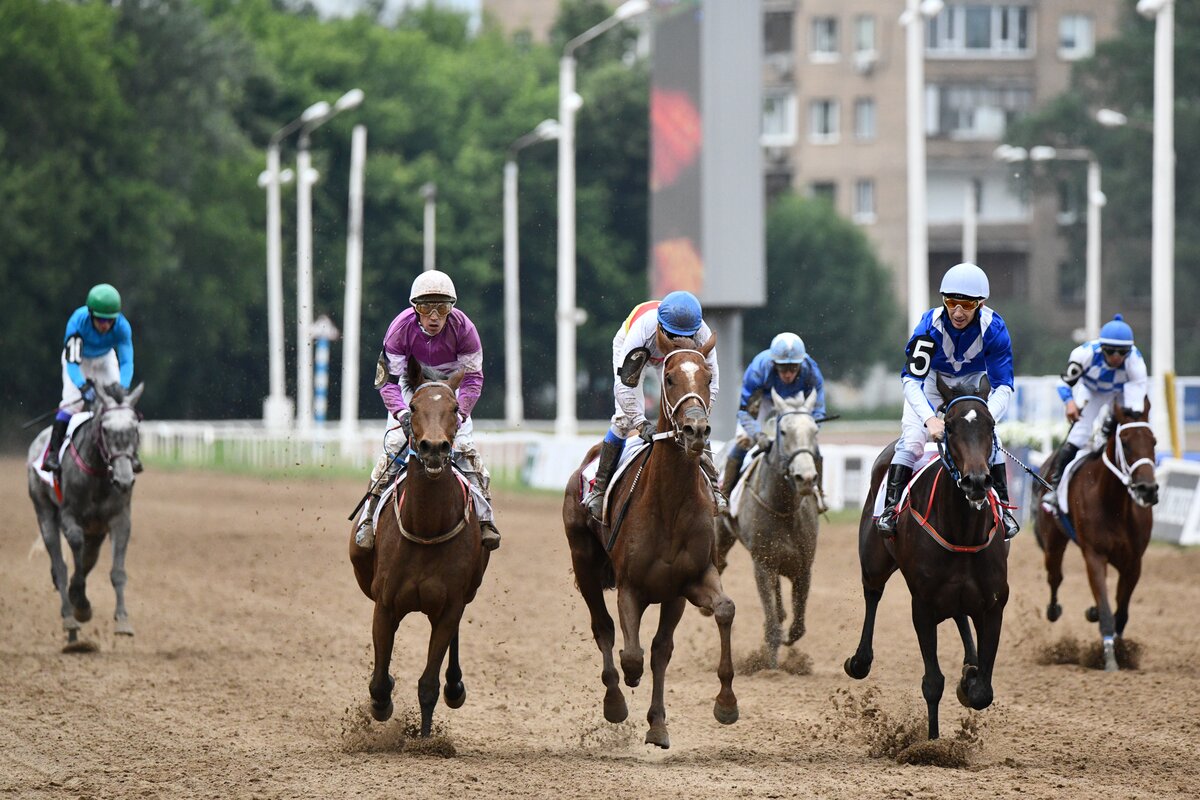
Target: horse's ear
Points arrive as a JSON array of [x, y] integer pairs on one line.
[[985, 387], [664, 343], [135, 395], [102, 394], [778, 400], [944, 390], [810, 402], [415, 377], [1146, 407], [455, 379], [707, 347]]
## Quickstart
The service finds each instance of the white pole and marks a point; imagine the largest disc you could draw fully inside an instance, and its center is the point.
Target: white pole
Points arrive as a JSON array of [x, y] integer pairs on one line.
[[1095, 198], [305, 178], [918, 242], [429, 192], [1162, 292], [514, 411], [276, 411], [352, 316], [970, 223], [565, 423]]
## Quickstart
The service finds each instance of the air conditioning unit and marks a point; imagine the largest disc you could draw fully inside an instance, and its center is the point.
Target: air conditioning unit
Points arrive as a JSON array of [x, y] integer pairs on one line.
[[864, 61], [776, 155]]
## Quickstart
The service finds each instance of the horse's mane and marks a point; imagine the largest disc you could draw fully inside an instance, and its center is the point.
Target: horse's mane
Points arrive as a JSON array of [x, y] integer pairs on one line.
[[418, 373]]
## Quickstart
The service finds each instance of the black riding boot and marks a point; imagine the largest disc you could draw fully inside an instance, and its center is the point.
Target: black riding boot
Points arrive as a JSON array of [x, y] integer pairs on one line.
[[1066, 454], [57, 434], [714, 480], [1000, 484], [733, 469], [610, 453], [898, 477]]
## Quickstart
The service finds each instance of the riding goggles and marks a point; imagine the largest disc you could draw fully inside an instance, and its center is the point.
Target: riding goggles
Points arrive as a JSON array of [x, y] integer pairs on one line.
[[1114, 351], [427, 307], [964, 303]]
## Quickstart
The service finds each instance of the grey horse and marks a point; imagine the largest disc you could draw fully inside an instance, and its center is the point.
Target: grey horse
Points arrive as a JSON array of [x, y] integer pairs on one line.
[[777, 518], [97, 488]]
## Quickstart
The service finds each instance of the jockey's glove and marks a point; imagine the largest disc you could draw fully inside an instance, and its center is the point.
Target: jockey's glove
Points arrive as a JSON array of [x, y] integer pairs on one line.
[[646, 431], [88, 392], [404, 417], [762, 440]]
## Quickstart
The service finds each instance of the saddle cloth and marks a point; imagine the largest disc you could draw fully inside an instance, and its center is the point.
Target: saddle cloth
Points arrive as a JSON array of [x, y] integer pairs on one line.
[[928, 459], [76, 421], [481, 504], [587, 477], [1064, 483], [753, 458]]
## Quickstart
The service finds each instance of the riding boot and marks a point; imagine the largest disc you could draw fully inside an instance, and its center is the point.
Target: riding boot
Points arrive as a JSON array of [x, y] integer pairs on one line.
[[57, 434], [733, 470], [714, 480], [488, 532], [897, 478], [610, 453], [1066, 455], [364, 535], [1000, 484]]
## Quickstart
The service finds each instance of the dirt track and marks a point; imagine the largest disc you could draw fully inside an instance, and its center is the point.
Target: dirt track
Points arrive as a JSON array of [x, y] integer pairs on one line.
[[248, 674]]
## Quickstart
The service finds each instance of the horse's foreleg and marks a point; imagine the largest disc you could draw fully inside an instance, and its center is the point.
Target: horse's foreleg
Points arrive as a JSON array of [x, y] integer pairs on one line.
[[660, 655], [975, 687], [767, 581], [630, 608], [709, 594], [383, 634], [48, 524], [120, 541], [858, 666], [1097, 569], [86, 555], [455, 692], [1054, 543], [587, 560], [970, 654], [933, 682], [801, 584], [442, 632], [1126, 582]]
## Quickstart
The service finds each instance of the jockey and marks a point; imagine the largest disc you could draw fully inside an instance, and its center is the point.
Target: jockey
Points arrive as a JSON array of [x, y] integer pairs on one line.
[[960, 341], [97, 351], [1097, 372], [787, 368], [433, 333], [678, 315]]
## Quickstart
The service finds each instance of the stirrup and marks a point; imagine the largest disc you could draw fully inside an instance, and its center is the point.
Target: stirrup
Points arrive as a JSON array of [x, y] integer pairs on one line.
[[892, 517], [364, 535]]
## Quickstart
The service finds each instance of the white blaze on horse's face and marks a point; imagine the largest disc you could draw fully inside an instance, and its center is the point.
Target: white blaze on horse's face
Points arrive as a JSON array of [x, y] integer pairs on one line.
[[970, 416], [798, 435]]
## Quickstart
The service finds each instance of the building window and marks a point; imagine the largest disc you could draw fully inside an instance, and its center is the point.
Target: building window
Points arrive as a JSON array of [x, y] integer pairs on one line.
[[973, 111], [823, 121], [1076, 36], [1069, 203], [864, 201], [823, 190], [864, 33], [776, 184], [980, 30], [864, 119], [778, 118], [824, 39], [777, 33]]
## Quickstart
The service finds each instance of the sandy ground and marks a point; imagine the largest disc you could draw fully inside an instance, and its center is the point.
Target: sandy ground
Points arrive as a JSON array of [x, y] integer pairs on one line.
[[248, 675]]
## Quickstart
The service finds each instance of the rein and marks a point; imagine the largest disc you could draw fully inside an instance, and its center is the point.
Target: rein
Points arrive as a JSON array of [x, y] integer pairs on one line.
[[668, 408], [943, 444], [1123, 469]]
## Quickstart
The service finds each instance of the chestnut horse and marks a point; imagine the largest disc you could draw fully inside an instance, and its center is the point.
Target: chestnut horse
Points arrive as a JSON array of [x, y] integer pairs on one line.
[[428, 555], [664, 550], [947, 548], [1110, 496]]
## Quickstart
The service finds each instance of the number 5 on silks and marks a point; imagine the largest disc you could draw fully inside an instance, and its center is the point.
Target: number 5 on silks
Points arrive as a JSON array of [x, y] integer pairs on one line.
[[920, 357]]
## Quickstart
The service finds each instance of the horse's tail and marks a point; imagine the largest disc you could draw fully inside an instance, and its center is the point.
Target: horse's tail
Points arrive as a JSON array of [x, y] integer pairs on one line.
[[592, 454]]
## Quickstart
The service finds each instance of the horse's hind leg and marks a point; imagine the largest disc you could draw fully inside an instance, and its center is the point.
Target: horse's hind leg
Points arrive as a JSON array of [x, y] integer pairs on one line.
[[709, 594], [1126, 583], [660, 655], [723, 542], [120, 541], [1097, 568], [86, 555], [48, 523], [768, 593], [975, 688], [455, 691], [970, 657], [586, 558], [1055, 545], [443, 632], [383, 635], [933, 682]]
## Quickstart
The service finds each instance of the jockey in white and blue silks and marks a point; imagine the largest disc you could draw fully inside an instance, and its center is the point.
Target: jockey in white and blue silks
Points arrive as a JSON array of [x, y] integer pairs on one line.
[[959, 341], [1098, 372], [787, 368], [97, 351], [634, 345]]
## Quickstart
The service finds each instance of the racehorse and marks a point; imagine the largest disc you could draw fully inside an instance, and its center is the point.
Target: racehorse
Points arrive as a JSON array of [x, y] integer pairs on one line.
[[664, 548], [96, 482], [777, 518], [1110, 496], [948, 551], [428, 555]]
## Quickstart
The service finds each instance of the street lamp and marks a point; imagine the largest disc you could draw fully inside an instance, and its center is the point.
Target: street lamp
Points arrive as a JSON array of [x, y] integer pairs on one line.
[[914, 18], [277, 409], [568, 316], [514, 407], [314, 117], [429, 231]]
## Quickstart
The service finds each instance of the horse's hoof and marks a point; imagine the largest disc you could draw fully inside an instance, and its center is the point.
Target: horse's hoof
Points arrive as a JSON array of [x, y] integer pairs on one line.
[[455, 695], [705, 612], [969, 672], [83, 612], [1092, 614], [70, 624], [726, 715], [657, 736], [1053, 612], [857, 669], [124, 628], [381, 713], [794, 635], [633, 669], [615, 710]]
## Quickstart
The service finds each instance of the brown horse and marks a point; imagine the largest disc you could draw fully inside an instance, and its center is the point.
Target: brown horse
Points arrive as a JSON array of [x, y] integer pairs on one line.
[[948, 551], [665, 545], [428, 555], [1110, 497]]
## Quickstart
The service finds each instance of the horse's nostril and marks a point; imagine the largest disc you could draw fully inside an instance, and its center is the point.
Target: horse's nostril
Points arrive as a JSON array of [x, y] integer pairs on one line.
[[707, 431]]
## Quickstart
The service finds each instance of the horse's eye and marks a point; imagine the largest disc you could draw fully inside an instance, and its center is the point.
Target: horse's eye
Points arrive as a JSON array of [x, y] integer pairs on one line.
[[670, 382]]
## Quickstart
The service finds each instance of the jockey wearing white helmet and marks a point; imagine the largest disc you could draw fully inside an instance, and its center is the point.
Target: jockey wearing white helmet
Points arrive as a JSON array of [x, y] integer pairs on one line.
[[960, 341]]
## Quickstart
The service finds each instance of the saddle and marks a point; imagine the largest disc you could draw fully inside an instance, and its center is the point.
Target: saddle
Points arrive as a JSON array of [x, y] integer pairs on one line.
[[48, 478], [587, 476]]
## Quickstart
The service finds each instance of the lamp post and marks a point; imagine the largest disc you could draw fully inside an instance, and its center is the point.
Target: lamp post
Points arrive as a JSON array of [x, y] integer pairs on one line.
[[352, 316], [567, 316], [316, 116], [429, 230], [514, 407], [914, 17]]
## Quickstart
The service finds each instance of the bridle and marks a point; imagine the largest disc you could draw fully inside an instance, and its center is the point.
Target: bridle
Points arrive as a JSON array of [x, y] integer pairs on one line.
[[787, 459], [446, 459], [107, 457], [1123, 469], [668, 408], [943, 444]]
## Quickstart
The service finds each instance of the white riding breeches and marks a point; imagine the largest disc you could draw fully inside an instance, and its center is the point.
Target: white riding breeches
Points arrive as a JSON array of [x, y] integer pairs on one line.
[[914, 434], [101, 371], [1092, 406]]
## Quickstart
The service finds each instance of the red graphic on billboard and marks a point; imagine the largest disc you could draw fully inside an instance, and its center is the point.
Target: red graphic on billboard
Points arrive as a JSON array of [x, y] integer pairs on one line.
[[677, 266], [676, 135]]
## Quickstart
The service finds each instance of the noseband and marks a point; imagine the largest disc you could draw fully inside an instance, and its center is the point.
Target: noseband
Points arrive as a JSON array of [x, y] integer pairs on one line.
[[669, 408], [1123, 469], [786, 462], [944, 444]]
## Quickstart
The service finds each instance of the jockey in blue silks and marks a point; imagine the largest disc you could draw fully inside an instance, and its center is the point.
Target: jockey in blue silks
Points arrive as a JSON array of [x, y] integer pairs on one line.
[[787, 368], [1098, 372], [959, 341]]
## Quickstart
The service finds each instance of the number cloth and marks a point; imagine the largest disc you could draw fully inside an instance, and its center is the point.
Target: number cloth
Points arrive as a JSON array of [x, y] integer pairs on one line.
[[1093, 385], [88, 354]]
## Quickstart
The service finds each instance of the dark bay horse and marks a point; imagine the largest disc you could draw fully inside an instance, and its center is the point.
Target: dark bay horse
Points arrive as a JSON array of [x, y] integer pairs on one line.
[[947, 548], [1110, 497], [97, 489], [665, 545], [777, 519], [428, 555]]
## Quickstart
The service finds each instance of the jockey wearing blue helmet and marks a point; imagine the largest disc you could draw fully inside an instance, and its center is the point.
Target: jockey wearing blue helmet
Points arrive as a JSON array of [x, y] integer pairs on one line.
[[1098, 372], [636, 344]]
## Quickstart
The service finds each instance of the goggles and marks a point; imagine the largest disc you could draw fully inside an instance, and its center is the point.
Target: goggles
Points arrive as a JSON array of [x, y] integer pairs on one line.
[[427, 307], [964, 303], [1114, 350]]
